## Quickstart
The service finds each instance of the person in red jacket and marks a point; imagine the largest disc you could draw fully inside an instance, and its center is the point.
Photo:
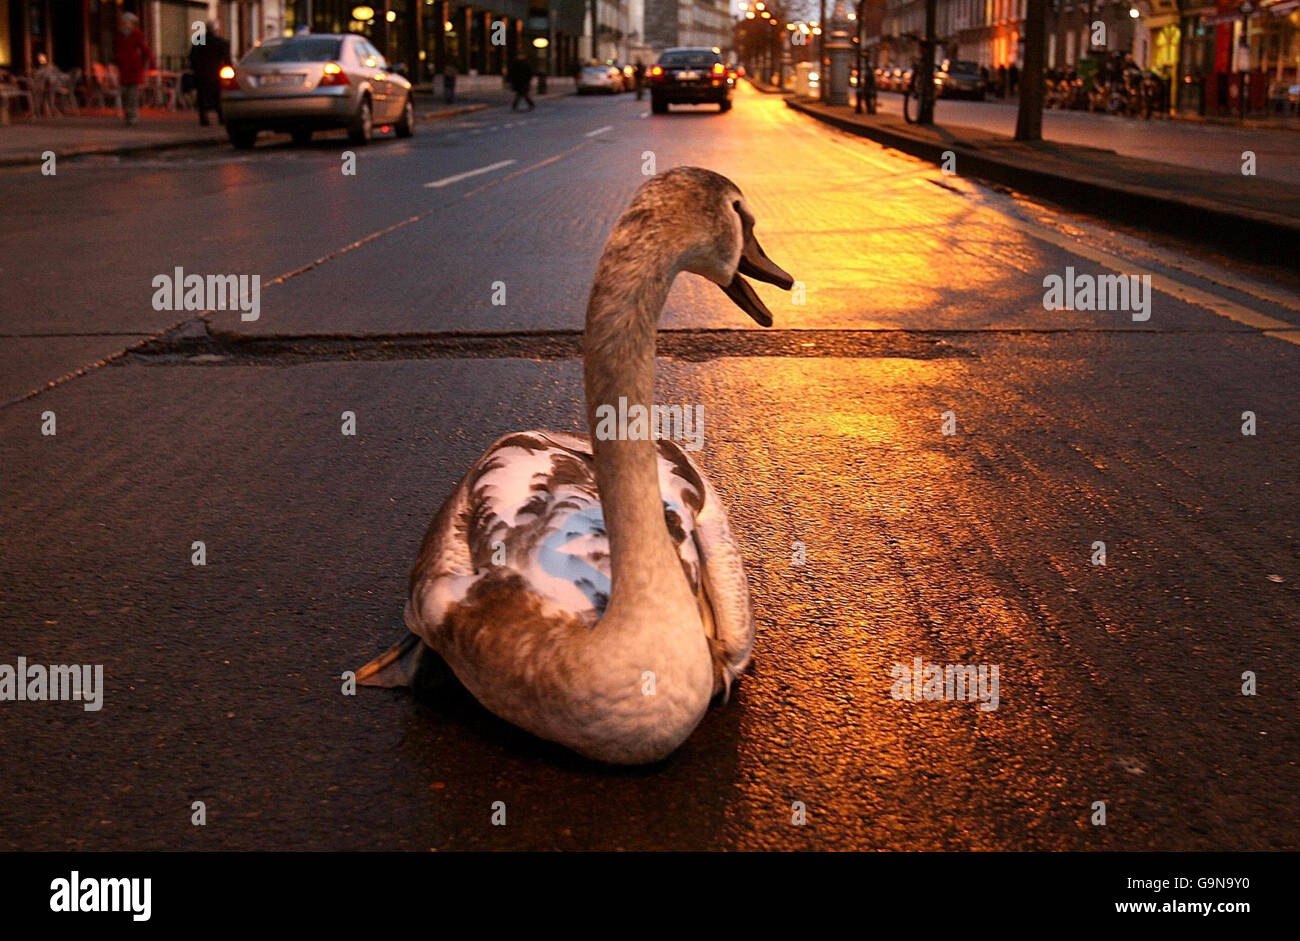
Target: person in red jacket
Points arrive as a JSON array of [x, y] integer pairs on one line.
[[134, 58]]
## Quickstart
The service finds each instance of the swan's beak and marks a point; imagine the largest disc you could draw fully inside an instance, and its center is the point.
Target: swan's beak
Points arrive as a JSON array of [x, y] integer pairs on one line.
[[755, 263]]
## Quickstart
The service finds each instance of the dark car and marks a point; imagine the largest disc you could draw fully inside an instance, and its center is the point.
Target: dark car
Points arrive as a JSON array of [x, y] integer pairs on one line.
[[690, 76], [959, 79]]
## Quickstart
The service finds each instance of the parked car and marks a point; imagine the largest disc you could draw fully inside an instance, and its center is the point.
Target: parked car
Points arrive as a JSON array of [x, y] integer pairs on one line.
[[956, 78], [314, 82], [691, 75], [600, 78]]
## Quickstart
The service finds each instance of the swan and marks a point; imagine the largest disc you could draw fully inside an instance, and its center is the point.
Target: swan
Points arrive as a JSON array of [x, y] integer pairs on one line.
[[590, 590]]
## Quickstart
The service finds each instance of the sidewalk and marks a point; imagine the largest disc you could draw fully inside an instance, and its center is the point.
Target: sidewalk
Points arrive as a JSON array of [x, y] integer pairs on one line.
[[25, 140], [1246, 216]]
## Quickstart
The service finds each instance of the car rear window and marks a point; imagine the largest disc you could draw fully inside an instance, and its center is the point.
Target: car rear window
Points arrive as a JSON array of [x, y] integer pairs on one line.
[[689, 58], [968, 67], [296, 50]]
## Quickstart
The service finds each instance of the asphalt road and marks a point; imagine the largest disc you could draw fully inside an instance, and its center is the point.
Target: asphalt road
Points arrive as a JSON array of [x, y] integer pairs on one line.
[[924, 294]]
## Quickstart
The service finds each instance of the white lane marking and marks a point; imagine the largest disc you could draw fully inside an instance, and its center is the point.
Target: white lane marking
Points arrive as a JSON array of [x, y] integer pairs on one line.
[[645, 114], [447, 181], [599, 130]]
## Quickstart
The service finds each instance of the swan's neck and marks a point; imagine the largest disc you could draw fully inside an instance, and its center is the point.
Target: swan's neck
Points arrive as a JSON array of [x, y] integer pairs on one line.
[[632, 283]]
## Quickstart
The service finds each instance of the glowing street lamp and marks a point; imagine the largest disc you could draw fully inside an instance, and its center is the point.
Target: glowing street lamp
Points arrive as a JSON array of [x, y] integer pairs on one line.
[[363, 13]]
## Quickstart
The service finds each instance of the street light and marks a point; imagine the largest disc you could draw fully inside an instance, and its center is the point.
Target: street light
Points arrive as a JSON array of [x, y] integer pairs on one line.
[[363, 13]]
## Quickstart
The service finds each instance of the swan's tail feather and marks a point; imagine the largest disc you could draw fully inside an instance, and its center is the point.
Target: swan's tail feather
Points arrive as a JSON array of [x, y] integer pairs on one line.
[[396, 666]]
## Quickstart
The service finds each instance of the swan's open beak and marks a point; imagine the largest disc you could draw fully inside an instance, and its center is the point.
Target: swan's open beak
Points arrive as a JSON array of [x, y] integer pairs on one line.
[[755, 263]]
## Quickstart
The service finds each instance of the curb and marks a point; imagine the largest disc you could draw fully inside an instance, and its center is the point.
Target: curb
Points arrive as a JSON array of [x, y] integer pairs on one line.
[[1248, 235], [158, 146]]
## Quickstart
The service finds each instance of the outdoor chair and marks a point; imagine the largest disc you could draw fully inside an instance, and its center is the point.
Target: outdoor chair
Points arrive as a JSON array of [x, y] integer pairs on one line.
[[106, 91], [11, 91]]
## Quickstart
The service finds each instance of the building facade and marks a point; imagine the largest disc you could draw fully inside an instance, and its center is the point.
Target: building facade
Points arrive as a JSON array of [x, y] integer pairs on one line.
[[75, 34], [671, 23], [1218, 56], [423, 36]]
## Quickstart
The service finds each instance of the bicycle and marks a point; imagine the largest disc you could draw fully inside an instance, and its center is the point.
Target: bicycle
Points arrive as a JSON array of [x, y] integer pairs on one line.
[[912, 101]]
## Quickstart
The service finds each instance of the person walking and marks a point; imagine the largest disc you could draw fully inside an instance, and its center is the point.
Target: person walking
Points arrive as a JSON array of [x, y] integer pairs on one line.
[[520, 77], [206, 60], [1013, 80], [134, 58], [638, 78], [449, 82]]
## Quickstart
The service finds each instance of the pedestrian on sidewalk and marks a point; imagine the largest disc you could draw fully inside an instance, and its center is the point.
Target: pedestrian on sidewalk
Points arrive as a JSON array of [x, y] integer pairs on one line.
[[1002, 81], [206, 60], [1013, 80], [134, 58], [638, 78], [449, 83], [520, 77]]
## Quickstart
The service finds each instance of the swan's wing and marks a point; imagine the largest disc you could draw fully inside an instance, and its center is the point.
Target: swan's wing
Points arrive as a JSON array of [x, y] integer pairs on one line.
[[529, 507], [723, 589]]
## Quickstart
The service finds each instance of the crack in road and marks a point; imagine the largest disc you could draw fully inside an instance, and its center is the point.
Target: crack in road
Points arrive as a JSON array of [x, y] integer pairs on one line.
[[190, 347]]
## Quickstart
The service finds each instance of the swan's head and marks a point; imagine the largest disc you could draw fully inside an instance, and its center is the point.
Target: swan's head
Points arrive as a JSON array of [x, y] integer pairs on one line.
[[717, 234]]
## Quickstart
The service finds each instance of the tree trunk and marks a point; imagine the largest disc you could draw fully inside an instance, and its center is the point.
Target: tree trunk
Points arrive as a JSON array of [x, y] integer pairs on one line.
[[924, 75], [1029, 121]]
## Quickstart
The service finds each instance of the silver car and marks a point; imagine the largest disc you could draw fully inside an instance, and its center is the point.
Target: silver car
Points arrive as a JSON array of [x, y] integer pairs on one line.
[[602, 78], [311, 82]]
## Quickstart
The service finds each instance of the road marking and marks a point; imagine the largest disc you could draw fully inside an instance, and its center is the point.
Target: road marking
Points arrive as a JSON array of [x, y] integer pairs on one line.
[[518, 173], [437, 184], [645, 114], [599, 130]]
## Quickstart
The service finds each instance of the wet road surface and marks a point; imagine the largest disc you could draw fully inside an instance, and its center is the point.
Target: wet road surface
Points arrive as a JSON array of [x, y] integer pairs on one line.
[[923, 294]]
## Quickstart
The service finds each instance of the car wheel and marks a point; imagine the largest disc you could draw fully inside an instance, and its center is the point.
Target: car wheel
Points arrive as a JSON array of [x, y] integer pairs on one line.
[[362, 125], [406, 126], [243, 138], [658, 106], [724, 106], [301, 138]]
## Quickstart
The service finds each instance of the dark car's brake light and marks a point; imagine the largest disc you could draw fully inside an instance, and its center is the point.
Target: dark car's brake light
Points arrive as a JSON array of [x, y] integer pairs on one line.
[[332, 74], [228, 82]]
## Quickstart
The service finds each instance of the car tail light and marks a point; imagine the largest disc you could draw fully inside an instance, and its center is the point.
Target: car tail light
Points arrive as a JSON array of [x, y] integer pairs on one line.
[[228, 82], [719, 68], [332, 74], [656, 71]]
